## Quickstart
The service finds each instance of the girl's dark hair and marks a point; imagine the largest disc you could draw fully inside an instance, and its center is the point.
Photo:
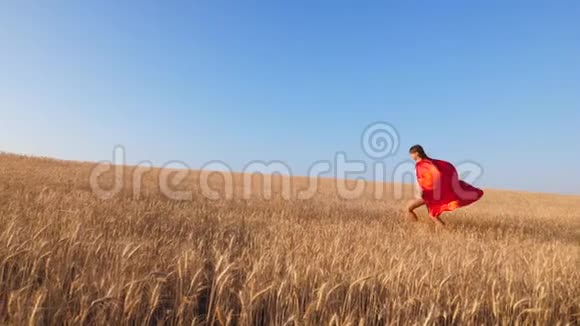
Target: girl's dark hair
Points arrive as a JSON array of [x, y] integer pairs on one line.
[[419, 150]]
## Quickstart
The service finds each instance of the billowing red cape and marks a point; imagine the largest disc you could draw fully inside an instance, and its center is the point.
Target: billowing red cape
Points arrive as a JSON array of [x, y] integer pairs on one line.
[[442, 189]]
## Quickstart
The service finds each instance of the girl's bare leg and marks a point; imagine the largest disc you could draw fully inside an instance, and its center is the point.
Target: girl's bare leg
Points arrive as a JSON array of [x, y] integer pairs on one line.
[[439, 222], [410, 209]]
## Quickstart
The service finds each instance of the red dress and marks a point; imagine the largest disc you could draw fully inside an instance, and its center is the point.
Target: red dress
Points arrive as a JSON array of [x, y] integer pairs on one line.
[[442, 189]]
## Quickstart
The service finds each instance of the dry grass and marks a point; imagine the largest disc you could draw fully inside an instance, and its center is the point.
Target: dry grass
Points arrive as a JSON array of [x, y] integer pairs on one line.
[[68, 257]]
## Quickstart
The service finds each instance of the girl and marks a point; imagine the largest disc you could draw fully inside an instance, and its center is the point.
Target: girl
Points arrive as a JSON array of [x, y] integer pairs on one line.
[[441, 189]]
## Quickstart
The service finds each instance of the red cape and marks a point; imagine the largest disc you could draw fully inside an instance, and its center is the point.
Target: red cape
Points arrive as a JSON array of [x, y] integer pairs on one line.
[[442, 189]]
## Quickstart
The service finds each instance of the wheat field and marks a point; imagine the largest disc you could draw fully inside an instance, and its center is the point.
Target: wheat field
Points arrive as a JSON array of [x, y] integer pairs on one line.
[[70, 257]]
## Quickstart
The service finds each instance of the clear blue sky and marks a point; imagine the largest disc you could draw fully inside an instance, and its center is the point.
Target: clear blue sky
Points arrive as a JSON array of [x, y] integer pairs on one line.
[[496, 82]]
